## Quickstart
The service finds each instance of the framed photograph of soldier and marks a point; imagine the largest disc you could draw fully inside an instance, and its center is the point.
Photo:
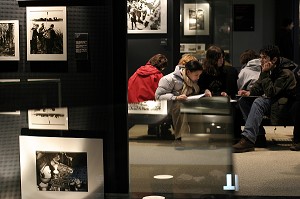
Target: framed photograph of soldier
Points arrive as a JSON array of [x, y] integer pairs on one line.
[[46, 33]]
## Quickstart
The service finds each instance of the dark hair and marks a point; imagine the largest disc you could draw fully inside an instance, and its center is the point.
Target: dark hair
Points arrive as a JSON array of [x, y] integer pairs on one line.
[[248, 55], [159, 61], [193, 66], [271, 51], [213, 53], [210, 63]]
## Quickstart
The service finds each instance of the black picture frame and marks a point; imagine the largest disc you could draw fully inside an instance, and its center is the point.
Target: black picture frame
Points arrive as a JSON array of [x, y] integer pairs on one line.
[[243, 17]]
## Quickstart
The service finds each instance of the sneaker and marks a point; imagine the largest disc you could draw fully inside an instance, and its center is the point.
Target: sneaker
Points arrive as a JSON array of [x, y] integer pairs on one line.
[[261, 141], [178, 145], [244, 145], [295, 147]]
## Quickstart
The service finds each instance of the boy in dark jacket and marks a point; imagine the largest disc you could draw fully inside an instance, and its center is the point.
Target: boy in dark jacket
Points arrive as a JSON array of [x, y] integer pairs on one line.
[[275, 86]]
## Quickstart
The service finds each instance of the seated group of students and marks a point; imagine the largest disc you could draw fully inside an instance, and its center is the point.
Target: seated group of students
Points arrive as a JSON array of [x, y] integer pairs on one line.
[[270, 77]]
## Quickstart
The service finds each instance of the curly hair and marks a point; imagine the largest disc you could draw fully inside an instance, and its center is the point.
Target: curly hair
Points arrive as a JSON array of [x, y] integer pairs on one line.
[[159, 61], [248, 55]]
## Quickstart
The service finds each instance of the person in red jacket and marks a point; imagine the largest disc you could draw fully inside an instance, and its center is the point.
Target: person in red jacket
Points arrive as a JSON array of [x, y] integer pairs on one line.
[[144, 82]]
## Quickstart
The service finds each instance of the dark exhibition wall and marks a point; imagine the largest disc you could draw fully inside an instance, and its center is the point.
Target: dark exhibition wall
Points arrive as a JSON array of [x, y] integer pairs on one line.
[[142, 46], [86, 87]]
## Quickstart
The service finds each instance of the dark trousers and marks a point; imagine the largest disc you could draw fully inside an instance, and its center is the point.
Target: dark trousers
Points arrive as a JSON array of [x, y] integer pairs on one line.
[[296, 131]]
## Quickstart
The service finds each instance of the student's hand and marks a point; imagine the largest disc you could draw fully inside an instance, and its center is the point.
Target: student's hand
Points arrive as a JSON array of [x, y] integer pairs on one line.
[[224, 94], [207, 93], [243, 93], [181, 97], [267, 66]]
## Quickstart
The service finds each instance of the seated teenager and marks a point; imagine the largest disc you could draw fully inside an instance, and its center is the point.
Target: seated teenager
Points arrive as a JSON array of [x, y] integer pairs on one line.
[[177, 86], [143, 83], [217, 79], [276, 84]]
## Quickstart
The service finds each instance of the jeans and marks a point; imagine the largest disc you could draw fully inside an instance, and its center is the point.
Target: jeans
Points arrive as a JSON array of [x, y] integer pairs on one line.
[[253, 112]]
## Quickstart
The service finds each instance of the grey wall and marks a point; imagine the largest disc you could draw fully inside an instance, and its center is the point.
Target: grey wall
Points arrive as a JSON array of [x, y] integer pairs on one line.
[[263, 32]]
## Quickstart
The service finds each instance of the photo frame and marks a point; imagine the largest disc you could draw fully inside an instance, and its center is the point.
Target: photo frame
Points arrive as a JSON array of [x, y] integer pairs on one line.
[[147, 17], [46, 33], [196, 19], [9, 40], [48, 118], [191, 47], [243, 17], [59, 167]]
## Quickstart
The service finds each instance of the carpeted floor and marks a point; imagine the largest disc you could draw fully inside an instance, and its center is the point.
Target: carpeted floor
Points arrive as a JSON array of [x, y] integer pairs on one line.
[[271, 172]]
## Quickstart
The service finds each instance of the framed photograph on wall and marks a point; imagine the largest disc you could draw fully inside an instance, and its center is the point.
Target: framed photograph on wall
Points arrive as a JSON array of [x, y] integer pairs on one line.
[[147, 16], [46, 33], [191, 47], [9, 40], [59, 167], [48, 118], [196, 19]]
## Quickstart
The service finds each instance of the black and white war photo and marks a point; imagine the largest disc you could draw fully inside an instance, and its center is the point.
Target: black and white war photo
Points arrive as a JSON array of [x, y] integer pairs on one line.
[[61, 171], [145, 16], [46, 32], [9, 40]]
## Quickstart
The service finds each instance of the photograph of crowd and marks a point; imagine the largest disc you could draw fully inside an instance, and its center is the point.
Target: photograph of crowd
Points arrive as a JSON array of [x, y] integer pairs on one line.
[[146, 16]]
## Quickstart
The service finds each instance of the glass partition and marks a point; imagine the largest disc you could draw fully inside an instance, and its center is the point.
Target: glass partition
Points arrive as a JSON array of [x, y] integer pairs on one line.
[[201, 163], [198, 165]]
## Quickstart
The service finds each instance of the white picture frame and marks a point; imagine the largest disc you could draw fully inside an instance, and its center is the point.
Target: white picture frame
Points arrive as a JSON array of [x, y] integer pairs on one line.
[[159, 107], [150, 17], [196, 19], [48, 118], [191, 47], [33, 147], [40, 46], [9, 40]]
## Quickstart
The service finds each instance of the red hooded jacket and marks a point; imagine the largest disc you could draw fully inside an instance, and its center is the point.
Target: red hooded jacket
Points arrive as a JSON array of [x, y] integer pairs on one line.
[[143, 84]]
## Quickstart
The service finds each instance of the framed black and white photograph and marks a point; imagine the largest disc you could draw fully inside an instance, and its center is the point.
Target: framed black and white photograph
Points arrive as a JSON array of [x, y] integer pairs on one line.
[[191, 47], [46, 33], [147, 16], [196, 19], [9, 40], [57, 167], [48, 118]]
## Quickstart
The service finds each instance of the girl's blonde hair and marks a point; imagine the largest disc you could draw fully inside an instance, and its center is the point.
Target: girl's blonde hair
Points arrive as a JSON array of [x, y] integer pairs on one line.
[[185, 58]]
